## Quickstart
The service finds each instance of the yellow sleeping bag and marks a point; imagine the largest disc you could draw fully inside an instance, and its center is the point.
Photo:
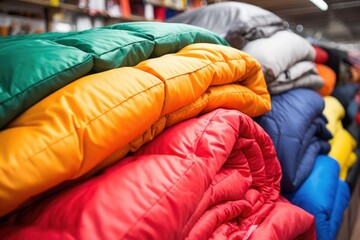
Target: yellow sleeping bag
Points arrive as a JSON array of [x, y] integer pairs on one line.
[[342, 143], [96, 120]]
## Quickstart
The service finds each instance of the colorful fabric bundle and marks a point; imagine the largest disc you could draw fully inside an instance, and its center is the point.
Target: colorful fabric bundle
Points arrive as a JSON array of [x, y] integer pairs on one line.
[[179, 186], [239, 23], [34, 66], [96, 120]]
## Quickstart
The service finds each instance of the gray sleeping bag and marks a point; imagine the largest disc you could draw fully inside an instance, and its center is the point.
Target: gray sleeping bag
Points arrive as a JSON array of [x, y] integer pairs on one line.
[[237, 22], [301, 75], [279, 52]]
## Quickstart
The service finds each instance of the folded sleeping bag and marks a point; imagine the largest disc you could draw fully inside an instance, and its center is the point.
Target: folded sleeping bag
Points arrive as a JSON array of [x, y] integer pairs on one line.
[[298, 129], [211, 177], [279, 52], [34, 66], [342, 143], [329, 197], [303, 74], [96, 120], [237, 22], [329, 77]]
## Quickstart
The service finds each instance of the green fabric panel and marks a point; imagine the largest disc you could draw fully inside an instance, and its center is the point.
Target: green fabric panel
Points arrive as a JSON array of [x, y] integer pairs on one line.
[[111, 48], [171, 37], [32, 69]]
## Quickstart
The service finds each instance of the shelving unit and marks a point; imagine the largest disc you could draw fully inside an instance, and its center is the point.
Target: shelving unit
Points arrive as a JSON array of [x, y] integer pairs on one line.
[[48, 10]]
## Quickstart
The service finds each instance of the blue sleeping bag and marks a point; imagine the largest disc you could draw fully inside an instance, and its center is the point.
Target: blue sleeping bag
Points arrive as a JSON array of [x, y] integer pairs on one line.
[[323, 195], [298, 130]]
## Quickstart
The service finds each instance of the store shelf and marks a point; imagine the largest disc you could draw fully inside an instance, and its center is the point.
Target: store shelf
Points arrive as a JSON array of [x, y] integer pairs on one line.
[[164, 4], [74, 8]]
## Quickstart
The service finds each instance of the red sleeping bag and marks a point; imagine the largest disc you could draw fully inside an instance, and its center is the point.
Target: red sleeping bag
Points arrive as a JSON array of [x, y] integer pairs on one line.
[[212, 177]]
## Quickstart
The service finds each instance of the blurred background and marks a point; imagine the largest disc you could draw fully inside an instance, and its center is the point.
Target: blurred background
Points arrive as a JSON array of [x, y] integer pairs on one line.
[[331, 20]]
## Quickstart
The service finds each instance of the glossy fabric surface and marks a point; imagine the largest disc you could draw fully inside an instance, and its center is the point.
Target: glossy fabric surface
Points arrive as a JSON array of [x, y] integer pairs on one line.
[[34, 66], [32, 69], [329, 197], [170, 37], [286, 221], [211, 177], [342, 144], [278, 53], [239, 23], [301, 75], [96, 120], [298, 129]]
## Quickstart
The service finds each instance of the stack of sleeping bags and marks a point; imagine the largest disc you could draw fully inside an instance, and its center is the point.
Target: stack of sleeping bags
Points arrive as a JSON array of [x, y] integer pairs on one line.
[[332, 64], [287, 59], [296, 123], [138, 131], [342, 144]]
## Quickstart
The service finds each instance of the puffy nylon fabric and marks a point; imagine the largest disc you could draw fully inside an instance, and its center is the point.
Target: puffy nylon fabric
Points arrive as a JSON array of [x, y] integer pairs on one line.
[[329, 196], [298, 129], [34, 66], [180, 185], [342, 144], [239, 24], [279, 52], [286, 221], [96, 120], [111, 48], [31, 70], [170, 37], [301, 75]]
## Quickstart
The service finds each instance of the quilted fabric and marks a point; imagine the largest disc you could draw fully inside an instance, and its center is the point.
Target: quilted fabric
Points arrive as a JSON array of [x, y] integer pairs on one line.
[[279, 52], [237, 22], [33, 66], [298, 224], [329, 197], [343, 144], [32, 69], [171, 37], [301, 75], [179, 186], [111, 48], [96, 120], [298, 129]]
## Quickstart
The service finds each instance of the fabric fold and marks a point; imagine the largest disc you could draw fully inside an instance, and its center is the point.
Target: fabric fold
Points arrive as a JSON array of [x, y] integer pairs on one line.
[[329, 197], [96, 120], [298, 129], [181, 185]]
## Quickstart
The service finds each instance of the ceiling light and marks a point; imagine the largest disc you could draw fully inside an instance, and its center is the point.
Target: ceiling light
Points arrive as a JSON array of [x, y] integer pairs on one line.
[[320, 4]]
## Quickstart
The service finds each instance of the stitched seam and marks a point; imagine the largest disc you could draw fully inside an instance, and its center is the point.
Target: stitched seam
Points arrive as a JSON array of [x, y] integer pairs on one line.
[[133, 43], [157, 201], [84, 125], [194, 71], [197, 144], [90, 57]]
